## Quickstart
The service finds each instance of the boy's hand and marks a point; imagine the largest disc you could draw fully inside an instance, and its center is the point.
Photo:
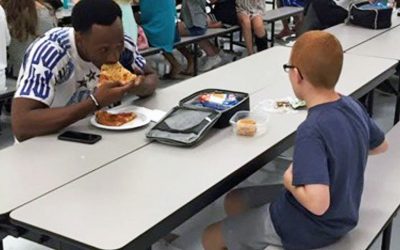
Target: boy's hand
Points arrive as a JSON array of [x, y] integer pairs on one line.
[[314, 197], [288, 178]]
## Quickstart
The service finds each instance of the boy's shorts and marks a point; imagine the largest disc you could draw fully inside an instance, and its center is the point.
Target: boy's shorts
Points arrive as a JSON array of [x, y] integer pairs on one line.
[[254, 228], [196, 31]]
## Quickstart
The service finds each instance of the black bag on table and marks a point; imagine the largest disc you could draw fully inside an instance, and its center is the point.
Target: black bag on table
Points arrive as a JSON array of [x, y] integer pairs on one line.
[[188, 123], [374, 18]]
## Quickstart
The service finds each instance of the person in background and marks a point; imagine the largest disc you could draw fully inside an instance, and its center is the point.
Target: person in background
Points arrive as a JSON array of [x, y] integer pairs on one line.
[[128, 19], [250, 14], [322, 14], [27, 20], [194, 17], [158, 19], [224, 11], [297, 19], [321, 194], [57, 84], [4, 42]]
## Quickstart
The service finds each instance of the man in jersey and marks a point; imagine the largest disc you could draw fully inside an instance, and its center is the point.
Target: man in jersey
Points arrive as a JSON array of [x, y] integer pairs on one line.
[[57, 82]]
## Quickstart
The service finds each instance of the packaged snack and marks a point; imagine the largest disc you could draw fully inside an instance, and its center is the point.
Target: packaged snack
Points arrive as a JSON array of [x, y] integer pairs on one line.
[[218, 101]]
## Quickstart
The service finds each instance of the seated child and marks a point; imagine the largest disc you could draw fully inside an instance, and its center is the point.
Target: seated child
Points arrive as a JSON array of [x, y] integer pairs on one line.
[[250, 15], [194, 23], [320, 200], [158, 19]]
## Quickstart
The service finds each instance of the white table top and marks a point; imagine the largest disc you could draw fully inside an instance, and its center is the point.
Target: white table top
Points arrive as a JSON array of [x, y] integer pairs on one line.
[[350, 35], [113, 206], [121, 201], [249, 75], [37, 166], [385, 46], [27, 173]]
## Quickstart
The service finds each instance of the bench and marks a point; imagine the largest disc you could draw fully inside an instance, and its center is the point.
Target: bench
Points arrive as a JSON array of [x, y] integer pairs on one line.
[[380, 200], [186, 40], [271, 16]]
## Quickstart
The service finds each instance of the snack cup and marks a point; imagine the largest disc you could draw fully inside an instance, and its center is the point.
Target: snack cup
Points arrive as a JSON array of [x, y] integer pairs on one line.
[[247, 123]]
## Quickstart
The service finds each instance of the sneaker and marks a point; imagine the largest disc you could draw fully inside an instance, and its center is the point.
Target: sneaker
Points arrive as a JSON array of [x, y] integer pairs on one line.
[[211, 62]]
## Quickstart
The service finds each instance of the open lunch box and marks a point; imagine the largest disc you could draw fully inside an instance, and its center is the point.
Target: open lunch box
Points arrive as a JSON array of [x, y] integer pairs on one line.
[[196, 114]]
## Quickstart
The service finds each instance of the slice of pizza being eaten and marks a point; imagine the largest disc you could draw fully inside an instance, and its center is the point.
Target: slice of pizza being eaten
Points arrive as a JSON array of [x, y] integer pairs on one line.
[[114, 120], [115, 72]]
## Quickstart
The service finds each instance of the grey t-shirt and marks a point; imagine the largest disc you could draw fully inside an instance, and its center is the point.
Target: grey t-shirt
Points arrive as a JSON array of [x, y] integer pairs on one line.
[[194, 13]]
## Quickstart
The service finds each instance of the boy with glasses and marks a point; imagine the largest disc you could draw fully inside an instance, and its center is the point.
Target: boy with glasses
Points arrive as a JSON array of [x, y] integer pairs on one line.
[[320, 197]]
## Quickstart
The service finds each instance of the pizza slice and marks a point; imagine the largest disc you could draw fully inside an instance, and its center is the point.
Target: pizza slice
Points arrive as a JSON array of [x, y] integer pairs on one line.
[[115, 120], [115, 72]]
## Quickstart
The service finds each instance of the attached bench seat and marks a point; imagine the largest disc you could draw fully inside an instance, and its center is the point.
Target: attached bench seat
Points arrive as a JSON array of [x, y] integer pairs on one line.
[[271, 16], [282, 13], [210, 33], [380, 200]]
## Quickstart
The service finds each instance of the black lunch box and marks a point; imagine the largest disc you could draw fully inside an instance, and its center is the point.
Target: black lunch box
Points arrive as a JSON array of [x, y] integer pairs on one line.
[[188, 123]]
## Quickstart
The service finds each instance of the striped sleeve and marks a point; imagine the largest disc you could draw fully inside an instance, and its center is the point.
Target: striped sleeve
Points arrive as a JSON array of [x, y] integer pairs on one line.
[[38, 76], [131, 58]]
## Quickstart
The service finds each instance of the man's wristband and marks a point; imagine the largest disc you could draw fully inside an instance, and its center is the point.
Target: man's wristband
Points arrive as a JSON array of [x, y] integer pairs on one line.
[[96, 103]]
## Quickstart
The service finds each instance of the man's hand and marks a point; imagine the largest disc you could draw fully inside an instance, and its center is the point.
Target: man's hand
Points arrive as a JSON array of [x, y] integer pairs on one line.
[[111, 92], [145, 84]]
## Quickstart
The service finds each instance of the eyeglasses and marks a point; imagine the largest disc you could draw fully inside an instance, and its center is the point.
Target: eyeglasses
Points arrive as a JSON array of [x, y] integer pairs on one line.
[[287, 67]]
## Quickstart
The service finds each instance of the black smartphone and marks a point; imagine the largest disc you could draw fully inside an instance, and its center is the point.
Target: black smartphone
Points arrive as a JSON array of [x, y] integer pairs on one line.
[[79, 137]]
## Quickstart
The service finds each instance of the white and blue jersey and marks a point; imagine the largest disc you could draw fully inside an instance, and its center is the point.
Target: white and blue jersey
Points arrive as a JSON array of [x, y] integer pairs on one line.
[[53, 72]]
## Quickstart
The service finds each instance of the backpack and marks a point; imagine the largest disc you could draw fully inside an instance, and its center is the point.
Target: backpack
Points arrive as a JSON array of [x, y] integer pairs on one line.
[[372, 16]]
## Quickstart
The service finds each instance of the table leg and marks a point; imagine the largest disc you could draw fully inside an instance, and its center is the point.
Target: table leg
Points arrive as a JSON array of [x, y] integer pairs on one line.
[[272, 34], [397, 109], [386, 237], [231, 42], [370, 102], [195, 70]]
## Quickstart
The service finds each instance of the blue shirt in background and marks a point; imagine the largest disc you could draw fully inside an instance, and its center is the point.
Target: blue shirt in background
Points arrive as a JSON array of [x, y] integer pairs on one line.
[[331, 148], [158, 22]]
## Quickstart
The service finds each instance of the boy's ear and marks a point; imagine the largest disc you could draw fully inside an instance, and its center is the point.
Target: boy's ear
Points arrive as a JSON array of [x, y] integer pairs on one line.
[[297, 76]]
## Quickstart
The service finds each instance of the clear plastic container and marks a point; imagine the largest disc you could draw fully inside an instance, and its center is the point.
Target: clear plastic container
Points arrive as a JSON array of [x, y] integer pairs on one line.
[[247, 123]]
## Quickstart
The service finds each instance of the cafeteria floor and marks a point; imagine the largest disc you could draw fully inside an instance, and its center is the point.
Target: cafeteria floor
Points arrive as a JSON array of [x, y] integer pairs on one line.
[[189, 233]]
